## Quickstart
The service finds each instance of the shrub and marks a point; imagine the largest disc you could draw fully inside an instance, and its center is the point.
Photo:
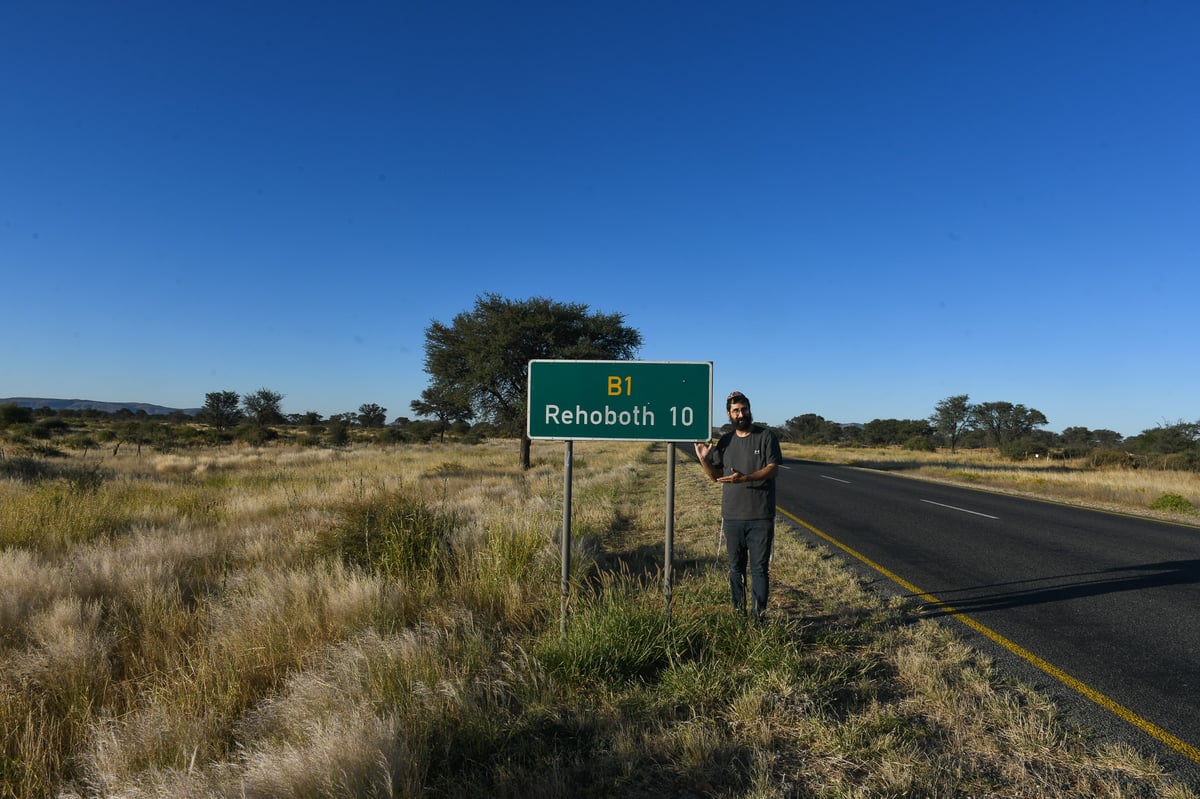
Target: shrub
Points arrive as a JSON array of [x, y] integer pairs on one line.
[[1110, 458], [13, 414], [26, 470], [1174, 503], [391, 435], [1072, 453], [256, 435], [84, 479], [48, 428], [339, 433], [474, 436], [1023, 448], [1177, 462], [920, 444]]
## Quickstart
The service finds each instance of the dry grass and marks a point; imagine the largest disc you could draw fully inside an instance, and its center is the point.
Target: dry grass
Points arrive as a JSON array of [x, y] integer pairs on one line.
[[384, 622]]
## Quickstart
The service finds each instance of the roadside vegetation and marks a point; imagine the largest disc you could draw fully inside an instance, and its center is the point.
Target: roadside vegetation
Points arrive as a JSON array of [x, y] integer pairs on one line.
[[381, 618]]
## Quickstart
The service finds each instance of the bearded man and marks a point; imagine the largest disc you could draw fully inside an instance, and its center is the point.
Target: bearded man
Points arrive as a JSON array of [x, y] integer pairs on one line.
[[745, 461]]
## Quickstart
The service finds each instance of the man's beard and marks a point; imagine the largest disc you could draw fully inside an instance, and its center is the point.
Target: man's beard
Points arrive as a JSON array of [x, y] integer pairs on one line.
[[744, 422]]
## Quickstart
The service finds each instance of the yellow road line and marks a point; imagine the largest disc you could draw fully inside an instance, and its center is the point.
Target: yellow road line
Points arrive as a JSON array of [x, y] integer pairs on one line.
[[1119, 710]]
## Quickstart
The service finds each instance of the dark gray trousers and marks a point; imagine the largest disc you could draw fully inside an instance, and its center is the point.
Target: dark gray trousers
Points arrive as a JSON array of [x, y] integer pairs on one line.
[[749, 543]]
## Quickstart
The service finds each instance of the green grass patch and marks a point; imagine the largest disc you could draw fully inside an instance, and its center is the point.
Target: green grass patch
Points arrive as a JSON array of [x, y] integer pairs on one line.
[[395, 534]]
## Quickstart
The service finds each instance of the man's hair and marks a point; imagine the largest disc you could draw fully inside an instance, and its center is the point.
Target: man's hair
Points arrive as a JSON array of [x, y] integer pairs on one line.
[[735, 396]]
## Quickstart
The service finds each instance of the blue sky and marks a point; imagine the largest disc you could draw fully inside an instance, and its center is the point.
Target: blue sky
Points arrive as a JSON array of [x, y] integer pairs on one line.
[[851, 209]]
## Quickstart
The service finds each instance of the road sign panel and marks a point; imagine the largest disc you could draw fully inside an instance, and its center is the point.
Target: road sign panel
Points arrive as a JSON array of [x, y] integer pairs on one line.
[[620, 400]]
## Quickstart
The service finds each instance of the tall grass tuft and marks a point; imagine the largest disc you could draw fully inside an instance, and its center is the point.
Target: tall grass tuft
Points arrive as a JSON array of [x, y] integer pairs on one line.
[[614, 638], [395, 534]]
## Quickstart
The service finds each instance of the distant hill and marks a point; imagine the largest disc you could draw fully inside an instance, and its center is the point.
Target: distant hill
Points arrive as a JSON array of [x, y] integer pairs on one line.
[[93, 405]]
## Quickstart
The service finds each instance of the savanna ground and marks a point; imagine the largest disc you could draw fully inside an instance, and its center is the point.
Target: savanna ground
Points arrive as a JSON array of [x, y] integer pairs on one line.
[[384, 621]]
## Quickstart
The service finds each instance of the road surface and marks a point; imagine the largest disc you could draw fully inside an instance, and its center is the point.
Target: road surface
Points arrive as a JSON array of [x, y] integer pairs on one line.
[[1100, 609]]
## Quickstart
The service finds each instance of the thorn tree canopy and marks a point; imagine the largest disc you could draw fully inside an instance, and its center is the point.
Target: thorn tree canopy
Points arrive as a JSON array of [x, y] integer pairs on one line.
[[1006, 422], [221, 409], [952, 417], [484, 354], [371, 414], [444, 406], [262, 407]]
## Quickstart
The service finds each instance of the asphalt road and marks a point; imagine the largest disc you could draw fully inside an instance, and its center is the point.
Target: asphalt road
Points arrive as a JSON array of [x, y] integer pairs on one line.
[[1101, 609]]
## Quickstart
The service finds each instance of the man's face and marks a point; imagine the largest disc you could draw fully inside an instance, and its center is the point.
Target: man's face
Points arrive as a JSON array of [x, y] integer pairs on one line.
[[739, 414]]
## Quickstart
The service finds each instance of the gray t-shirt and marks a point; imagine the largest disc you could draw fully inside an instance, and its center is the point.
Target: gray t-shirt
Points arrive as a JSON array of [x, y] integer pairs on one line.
[[747, 454]]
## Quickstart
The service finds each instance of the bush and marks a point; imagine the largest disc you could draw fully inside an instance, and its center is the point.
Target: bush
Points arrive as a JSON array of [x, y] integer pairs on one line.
[[391, 435], [256, 435], [1174, 503], [1177, 462], [84, 479], [1024, 448], [1072, 453], [920, 444], [339, 433], [26, 470], [49, 428], [13, 414], [474, 436], [1110, 458], [46, 450]]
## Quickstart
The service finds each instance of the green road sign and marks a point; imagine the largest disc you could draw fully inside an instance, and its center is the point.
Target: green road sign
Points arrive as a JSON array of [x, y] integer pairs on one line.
[[620, 400]]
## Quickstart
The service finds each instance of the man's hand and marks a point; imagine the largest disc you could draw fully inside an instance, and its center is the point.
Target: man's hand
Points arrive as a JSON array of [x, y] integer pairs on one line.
[[703, 450], [765, 473]]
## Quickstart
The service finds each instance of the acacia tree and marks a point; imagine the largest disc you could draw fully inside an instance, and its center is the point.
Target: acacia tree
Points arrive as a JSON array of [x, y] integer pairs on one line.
[[221, 409], [1006, 422], [895, 431], [443, 405], [952, 417], [263, 407], [482, 357], [371, 415], [12, 414], [809, 428]]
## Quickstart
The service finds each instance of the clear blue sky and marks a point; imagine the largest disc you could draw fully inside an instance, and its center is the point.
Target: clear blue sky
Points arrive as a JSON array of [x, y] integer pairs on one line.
[[852, 209]]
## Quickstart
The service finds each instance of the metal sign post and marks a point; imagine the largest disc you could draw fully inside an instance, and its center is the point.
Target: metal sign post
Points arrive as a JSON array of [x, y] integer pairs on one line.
[[565, 543], [669, 548], [666, 401]]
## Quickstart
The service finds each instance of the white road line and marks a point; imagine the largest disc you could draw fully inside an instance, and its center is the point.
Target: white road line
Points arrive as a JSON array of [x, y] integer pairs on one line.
[[835, 479], [964, 510]]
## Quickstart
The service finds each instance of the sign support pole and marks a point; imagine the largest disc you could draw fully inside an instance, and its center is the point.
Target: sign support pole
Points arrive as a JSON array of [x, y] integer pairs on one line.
[[669, 553], [566, 538]]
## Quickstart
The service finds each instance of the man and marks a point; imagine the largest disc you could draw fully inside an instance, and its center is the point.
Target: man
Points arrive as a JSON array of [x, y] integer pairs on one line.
[[745, 462]]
